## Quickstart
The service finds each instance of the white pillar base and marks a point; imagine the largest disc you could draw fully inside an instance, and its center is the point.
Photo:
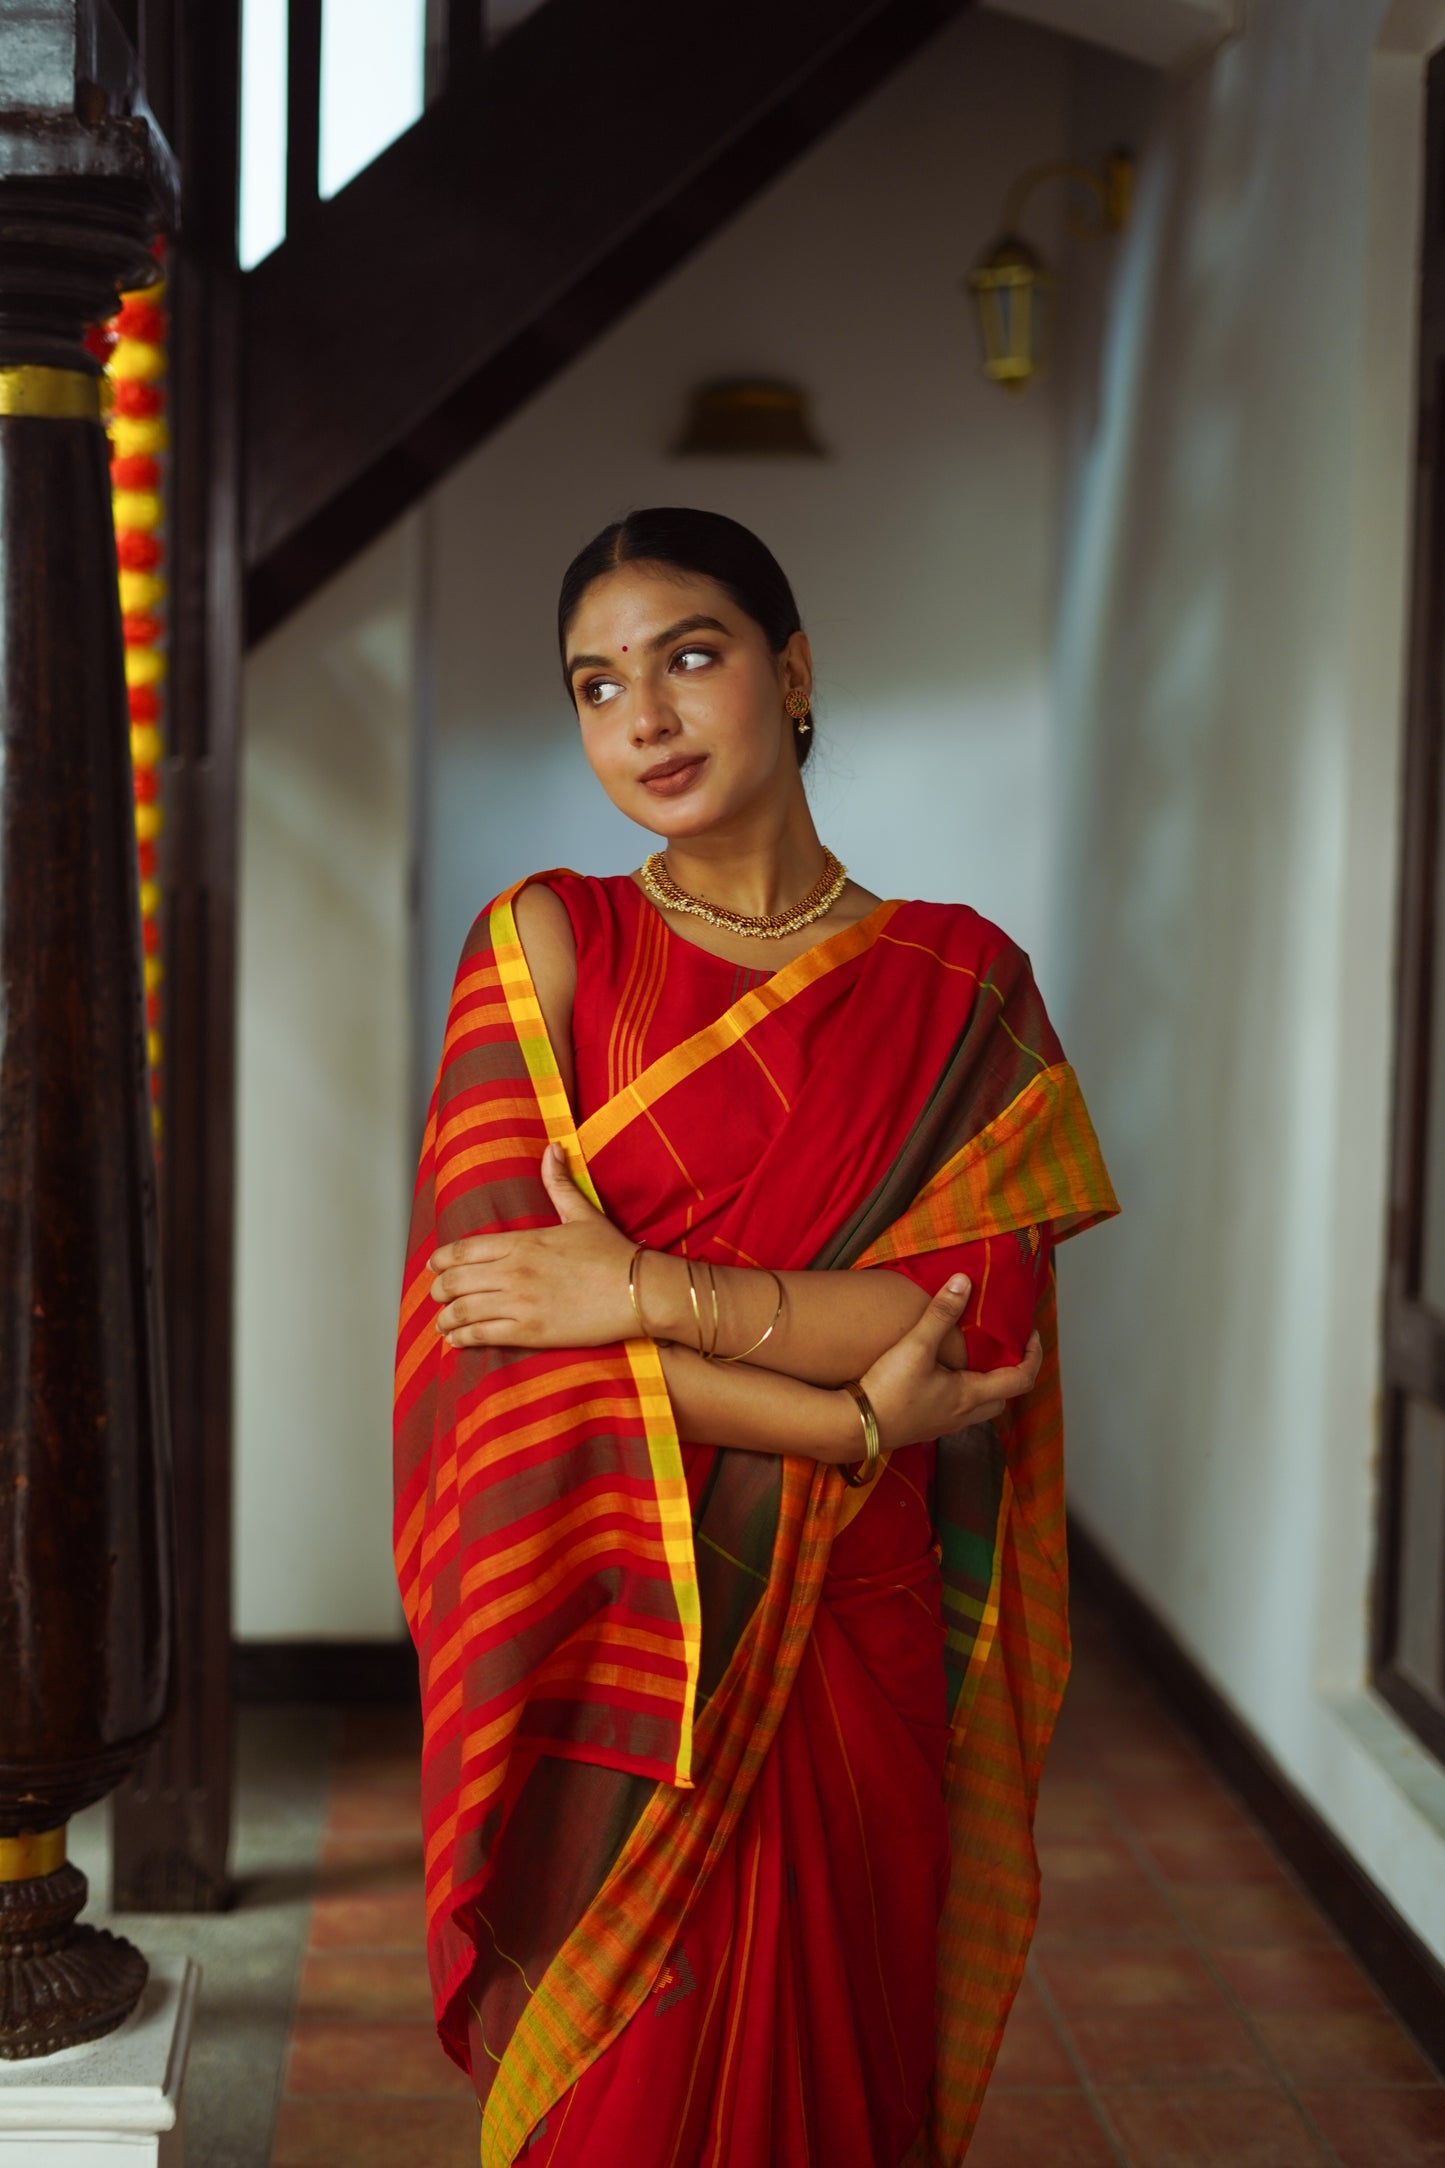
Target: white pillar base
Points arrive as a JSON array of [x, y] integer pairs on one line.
[[114, 2103]]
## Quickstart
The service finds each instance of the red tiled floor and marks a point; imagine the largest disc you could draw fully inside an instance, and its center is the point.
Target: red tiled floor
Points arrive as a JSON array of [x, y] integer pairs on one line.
[[364, 1983], [343, 2132], [1039, 2130], [1342, 2047], [1185, 2005], [375, 2057], [1032, 2055], [1107, 1978], [1208, 2046], [1381, 2129], [1317, 1979], [1188, 2127]]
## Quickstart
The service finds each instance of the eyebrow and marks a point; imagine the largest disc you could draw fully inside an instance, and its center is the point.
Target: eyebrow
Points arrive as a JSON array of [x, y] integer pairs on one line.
[[659, 639]]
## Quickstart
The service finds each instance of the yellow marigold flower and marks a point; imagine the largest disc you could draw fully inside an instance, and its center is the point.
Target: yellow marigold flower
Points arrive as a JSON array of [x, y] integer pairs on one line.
[[153, 1049], [148, 822], [145, 745], [132, 434], [144, 665], [136, 509], [150, 898], [155, 972], [141, 591], [136, 361]]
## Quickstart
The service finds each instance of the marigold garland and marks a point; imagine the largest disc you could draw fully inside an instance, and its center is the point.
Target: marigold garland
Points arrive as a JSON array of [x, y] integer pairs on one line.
[[132, 346]]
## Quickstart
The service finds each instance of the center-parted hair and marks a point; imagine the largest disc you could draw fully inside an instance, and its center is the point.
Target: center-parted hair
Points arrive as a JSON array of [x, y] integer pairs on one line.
[[707, 544]]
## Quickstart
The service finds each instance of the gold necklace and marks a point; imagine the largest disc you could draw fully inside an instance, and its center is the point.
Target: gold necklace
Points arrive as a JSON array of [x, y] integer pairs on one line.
[[774, 926]]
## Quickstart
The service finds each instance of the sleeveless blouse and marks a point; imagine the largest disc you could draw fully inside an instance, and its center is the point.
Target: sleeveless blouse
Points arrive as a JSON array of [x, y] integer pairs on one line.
[[641, 988]]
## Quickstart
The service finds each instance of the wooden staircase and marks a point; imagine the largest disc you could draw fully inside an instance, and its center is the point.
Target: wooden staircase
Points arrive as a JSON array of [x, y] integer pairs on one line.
[[549, 185]]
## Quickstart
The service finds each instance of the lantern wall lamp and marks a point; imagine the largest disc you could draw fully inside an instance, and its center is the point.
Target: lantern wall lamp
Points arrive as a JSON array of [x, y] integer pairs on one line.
[[1011, 281]]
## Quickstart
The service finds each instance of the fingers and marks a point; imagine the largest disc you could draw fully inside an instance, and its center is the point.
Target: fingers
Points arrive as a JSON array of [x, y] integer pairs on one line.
[[942, 1315], [567, 1199], [471, 1250], [999, 1386], [491, 1332]]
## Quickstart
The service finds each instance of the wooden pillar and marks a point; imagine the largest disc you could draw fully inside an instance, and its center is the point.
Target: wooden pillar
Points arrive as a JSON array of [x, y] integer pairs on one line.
[[85, 1537]]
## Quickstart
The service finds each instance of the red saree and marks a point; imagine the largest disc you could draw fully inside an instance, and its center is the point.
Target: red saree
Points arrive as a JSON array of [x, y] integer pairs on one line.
[[726, 1801]]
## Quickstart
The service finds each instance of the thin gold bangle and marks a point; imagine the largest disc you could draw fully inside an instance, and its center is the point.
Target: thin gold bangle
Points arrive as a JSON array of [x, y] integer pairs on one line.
[[867, 1469], [692, 1298], [712, 1284], [769, 1333], [633, 1276]]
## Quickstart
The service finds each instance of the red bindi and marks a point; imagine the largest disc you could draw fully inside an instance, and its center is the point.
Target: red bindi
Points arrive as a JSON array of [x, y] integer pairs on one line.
[[624, 651]]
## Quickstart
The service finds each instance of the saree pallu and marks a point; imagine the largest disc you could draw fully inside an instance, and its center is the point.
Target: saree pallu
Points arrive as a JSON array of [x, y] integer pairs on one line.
[[606, 1652]]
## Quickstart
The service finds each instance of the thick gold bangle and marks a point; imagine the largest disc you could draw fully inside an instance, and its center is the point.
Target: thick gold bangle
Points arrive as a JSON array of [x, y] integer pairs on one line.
[[777, 1313], [634, 1262], [867, 1469]]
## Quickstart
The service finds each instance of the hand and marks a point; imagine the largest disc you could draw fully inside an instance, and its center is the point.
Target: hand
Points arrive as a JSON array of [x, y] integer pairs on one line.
[[562, 1286], [917, 1395]]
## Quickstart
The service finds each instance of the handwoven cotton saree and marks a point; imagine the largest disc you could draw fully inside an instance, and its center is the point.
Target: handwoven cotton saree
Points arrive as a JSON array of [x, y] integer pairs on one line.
[[616, 1629]]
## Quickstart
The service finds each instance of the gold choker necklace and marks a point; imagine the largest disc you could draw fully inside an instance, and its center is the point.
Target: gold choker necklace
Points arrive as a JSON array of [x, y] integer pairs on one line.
[[775, 926]]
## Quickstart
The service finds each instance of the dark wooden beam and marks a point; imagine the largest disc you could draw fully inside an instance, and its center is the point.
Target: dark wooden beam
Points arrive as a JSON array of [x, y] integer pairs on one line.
[[455, 34], [303, 112], [498, 237], [172, 1819]]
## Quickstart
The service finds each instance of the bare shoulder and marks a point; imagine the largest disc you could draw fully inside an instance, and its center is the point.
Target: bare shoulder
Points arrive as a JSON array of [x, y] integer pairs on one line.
[[545, 932]]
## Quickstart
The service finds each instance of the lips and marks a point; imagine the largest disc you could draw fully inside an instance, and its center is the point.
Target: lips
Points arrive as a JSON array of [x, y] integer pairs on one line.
[[670, 777]]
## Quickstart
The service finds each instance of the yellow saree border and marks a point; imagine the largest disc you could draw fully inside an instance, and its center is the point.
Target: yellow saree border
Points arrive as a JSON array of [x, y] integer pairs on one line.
[[654, 1402], [680, 1062]]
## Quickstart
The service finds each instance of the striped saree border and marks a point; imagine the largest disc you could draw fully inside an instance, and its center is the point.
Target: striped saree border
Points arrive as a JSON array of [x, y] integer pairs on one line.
[[1036, 1164], [660, 1428], [735, 1023]]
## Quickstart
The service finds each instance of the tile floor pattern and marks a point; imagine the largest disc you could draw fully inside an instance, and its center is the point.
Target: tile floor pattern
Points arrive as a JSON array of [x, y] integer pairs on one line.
[[1185, 2005]]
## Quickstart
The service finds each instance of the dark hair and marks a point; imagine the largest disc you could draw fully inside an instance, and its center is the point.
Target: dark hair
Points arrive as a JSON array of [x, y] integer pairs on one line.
[[708, 544]]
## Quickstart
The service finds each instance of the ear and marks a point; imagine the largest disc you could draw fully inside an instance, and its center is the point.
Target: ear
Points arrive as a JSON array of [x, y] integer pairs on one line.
[[796, 665]]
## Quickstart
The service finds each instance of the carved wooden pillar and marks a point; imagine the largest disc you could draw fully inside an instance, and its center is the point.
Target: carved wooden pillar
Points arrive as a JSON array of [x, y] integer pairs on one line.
[[85, 1567]]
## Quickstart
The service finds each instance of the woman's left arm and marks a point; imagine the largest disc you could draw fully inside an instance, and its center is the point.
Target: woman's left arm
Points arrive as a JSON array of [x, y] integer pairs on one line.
[[567, 1286]]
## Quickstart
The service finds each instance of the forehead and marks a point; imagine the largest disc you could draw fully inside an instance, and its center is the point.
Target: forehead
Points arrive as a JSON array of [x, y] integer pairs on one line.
[[635, 602]]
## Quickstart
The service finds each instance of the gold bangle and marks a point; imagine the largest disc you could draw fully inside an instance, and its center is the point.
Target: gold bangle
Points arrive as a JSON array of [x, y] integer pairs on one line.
[[632, 1279], [696, 1312], [777, 1313], [712, 1284], [872, 1444]]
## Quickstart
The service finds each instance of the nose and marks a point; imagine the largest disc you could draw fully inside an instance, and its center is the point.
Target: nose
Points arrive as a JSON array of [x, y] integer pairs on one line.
[[653, 716]]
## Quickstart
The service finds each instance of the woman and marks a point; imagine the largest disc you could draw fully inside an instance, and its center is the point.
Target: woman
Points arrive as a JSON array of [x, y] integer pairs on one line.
[[735, 1566]]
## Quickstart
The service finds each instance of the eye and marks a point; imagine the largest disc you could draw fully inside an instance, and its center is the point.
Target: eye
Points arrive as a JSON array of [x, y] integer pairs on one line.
[[690, 659], [597, 692]]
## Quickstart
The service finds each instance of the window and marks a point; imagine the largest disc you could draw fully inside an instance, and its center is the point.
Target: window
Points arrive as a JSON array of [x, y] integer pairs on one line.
[[1409, 1597]]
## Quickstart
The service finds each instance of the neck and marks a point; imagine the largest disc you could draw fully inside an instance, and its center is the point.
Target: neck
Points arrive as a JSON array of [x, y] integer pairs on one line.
[[757, 870]]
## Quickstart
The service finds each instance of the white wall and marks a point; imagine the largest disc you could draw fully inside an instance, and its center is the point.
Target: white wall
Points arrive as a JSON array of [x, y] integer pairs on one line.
[[324, 1084], [1229, 681], [922, 550]]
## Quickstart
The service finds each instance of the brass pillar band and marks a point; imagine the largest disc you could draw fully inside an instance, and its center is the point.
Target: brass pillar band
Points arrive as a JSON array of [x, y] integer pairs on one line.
[[24, 1858], [65, 395]]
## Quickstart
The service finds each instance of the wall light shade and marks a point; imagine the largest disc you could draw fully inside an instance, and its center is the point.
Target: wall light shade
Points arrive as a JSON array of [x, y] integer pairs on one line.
[[1012, 290], [750, 415]]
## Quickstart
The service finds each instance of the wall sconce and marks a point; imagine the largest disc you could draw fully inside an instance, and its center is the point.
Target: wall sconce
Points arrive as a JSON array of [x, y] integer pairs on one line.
[[1011, 282], [750, 415]]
